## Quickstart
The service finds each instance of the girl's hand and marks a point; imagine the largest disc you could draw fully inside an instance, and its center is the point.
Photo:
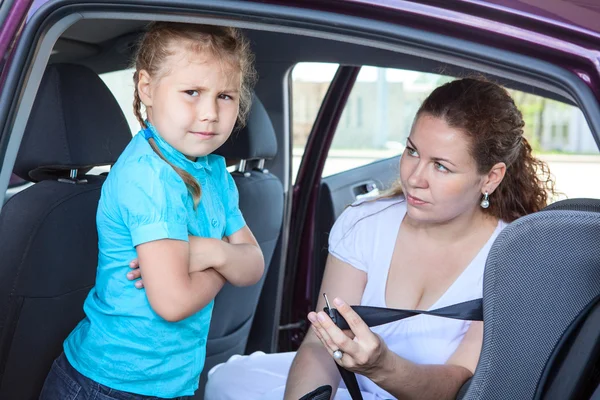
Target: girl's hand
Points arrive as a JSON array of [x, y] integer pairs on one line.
[[136, 273], [365, 354]]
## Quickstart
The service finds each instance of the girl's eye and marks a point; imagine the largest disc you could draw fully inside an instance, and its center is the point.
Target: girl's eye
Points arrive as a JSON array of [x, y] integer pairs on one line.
[[192, 93], [441, 168], [412, 152], [225, 97]]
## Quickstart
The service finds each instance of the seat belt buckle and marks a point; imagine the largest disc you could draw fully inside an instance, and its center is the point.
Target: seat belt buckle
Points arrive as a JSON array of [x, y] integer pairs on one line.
[[332, 312]]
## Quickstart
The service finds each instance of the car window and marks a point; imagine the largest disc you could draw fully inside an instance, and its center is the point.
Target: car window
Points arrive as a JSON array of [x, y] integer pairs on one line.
[[310, 82], [379, 113], [560, 135], [377, 117], [120, 83]]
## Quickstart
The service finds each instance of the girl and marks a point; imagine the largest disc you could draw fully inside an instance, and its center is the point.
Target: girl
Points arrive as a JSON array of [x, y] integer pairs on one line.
[[168, 202]]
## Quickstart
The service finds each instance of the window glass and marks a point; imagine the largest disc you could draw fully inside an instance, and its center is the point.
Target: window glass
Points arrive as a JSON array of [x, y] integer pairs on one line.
[[381, 107], [120, 83], [378, 115], [310, 82], [560, 135]]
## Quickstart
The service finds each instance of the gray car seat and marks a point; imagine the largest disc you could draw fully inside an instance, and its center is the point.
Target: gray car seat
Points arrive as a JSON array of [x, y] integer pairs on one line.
[[541, 285], [48, 239], [261, 203]]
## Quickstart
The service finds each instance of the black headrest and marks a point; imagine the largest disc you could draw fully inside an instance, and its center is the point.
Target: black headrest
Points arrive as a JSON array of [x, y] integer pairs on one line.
[[256, 141], [75, 123]]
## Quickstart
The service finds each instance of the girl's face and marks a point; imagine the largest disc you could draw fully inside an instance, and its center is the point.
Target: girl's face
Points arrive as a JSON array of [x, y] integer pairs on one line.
[[439, 176], [194, 103]]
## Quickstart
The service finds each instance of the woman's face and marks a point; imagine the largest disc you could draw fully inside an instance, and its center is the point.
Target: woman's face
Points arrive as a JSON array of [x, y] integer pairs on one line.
[[438, 175]]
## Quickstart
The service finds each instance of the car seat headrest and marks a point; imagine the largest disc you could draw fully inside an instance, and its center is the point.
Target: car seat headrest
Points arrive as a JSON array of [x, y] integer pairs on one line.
[[75, 124]]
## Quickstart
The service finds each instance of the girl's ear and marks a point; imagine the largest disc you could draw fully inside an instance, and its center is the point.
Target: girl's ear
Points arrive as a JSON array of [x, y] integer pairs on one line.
[[144, 88]]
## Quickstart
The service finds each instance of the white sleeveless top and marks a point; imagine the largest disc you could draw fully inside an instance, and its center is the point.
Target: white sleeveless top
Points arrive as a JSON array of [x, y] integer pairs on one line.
[[364, 236]]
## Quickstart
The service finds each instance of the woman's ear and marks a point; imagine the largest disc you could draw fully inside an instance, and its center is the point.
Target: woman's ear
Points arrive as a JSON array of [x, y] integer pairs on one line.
[[494, 177], [144, 88]]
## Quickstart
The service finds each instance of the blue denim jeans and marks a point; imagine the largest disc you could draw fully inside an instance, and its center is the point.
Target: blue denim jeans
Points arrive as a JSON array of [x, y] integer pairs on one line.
[[65, 383]]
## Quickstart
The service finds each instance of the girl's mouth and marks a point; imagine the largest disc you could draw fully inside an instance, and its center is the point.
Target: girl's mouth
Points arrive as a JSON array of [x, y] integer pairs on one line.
[[204, 135]]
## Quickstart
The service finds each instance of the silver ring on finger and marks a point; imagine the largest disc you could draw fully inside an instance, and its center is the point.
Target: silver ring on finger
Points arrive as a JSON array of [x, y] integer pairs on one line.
[[338, 354]]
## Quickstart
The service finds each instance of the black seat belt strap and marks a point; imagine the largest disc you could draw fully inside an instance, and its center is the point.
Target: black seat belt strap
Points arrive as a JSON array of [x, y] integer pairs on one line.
[[373, 316]]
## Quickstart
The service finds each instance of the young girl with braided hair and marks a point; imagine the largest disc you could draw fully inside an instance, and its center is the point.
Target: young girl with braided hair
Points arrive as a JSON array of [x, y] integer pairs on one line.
[[171, 205]]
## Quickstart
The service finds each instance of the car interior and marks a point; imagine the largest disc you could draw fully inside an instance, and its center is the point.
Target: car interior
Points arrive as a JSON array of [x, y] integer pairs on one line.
[[74, 124]]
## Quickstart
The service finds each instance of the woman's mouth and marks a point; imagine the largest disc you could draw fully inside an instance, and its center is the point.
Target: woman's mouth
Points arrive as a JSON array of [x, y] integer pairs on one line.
[[414, 201]]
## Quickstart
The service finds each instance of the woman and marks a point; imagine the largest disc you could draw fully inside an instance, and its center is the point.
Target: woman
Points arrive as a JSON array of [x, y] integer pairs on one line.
[[466, 172]]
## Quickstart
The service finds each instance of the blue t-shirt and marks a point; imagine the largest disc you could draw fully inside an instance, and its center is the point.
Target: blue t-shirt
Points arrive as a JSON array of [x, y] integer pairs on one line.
[[122, 343]]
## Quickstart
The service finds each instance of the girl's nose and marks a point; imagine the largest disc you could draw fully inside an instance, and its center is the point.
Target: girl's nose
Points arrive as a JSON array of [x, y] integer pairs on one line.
[[209, 110]]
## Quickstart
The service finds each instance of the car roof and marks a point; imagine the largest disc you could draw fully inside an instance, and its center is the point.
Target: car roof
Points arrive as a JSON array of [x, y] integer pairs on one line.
[[577, 15], [569, 20]]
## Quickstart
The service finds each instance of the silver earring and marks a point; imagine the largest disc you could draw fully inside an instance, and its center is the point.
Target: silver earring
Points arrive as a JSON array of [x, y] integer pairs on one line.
[[485, 203]]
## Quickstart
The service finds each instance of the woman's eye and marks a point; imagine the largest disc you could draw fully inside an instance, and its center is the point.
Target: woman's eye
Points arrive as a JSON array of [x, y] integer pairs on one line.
[[441, 168], [412, 152], [192, 93]]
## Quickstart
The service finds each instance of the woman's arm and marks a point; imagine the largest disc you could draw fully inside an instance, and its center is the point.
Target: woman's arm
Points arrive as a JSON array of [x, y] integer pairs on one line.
[[173, 292], [407, 380], [368, 355], [313, 366]]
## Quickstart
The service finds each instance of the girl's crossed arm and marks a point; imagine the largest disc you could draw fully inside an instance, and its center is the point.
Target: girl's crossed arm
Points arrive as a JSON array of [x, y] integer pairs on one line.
[[173, 292], [183, 277], [238, 258]]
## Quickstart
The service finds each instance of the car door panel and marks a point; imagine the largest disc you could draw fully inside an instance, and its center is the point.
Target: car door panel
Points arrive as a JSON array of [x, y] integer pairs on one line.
[[336, 192]]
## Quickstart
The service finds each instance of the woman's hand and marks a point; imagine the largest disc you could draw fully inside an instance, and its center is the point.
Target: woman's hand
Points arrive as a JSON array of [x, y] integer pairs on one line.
[[365, 354]]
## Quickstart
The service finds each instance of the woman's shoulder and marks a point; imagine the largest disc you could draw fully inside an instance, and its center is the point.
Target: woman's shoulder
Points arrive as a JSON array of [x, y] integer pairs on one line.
[[358, 230], [380, 207], [372, 213]]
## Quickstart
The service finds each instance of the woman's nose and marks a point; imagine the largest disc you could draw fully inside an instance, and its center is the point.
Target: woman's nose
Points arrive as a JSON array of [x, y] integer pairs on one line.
[[417, 177]]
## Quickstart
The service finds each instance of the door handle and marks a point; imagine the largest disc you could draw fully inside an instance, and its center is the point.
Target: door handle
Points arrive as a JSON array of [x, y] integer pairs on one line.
[[366, 190]]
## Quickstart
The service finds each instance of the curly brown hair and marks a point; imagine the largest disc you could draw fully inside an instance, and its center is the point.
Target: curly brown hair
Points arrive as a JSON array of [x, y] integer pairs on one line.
[[487, 114], [226, 43]]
